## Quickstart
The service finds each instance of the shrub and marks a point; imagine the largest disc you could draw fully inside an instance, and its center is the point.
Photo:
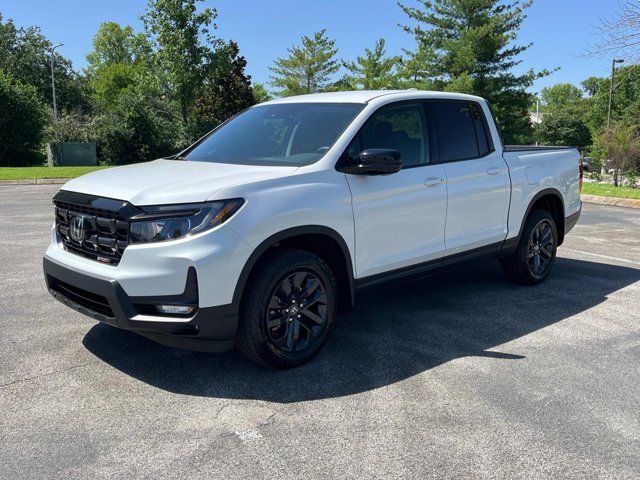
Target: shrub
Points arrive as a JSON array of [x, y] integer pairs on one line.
[[595, 176], [22, 121], [69, 127], [620, 145]]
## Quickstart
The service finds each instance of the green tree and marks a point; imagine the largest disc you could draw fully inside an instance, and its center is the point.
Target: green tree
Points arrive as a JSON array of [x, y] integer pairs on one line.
[[308, 68], [115, 44], [26, 54], [469, 45], [415, 70], [22, 122], [625, 107], [137, 127], [591, 85], [226, 89], [560, 96], [375, 70], [109, 81], [564, 110], [184, 44], [563, 128], [260, 93], [134, 117]]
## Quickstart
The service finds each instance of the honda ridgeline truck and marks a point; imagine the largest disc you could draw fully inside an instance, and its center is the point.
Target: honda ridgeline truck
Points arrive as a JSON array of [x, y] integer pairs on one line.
[[263, 230]]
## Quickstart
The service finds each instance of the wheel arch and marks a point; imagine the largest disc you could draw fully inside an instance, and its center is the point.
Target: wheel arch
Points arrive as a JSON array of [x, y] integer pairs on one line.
[[549, 200], [318, 239]]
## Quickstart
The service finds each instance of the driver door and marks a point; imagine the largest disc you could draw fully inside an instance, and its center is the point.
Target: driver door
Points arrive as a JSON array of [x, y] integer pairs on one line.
[[399, 218]]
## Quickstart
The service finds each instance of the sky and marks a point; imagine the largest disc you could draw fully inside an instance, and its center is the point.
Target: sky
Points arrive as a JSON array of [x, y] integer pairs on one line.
[[561, 31]]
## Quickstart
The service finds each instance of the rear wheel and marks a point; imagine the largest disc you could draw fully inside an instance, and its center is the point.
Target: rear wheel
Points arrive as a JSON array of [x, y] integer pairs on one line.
[[531, 263], [288, 309]]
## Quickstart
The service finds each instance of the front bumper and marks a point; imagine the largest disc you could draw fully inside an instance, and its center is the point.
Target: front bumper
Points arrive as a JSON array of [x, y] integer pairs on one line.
[[209, 329]]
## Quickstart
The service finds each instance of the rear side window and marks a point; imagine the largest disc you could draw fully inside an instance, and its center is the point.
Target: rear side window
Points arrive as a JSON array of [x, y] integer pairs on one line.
[[453, 122], [461, 130]]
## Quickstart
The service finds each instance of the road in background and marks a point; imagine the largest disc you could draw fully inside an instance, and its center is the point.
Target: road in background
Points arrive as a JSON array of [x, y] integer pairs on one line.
[[461, 375]]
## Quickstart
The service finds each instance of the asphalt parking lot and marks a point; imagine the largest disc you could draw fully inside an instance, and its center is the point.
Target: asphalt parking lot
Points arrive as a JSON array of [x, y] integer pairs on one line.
[[458, 376]]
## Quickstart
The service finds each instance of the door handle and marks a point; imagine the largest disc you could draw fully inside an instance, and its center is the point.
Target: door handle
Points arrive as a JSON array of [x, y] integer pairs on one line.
[[494, 170], [433, 181]]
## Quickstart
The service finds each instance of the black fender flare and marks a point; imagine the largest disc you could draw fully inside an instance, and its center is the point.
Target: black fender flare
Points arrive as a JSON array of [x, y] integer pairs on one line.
[[288, 233], [511, 244]]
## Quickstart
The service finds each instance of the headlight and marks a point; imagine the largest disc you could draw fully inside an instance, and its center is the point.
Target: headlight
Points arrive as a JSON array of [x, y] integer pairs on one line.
[[170, 222]]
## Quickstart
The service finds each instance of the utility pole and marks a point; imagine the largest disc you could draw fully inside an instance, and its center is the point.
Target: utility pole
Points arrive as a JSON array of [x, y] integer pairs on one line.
[[611, 87], [537, 115], [53, 81]]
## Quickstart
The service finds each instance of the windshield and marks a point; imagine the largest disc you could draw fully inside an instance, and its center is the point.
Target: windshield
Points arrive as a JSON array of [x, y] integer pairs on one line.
[[291, 134]]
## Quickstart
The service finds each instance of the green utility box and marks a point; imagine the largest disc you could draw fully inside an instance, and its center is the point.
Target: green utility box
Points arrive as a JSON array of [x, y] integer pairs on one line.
[[62, 154]]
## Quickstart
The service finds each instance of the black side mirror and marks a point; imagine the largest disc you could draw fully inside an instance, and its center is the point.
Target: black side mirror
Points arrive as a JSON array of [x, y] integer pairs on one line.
[[375, 161]]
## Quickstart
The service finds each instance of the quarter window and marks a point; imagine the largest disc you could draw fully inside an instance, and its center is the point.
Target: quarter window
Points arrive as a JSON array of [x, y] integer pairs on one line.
[[484, 139]]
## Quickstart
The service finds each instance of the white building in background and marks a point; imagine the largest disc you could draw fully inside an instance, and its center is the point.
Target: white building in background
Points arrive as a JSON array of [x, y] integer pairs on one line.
[[536, 117]]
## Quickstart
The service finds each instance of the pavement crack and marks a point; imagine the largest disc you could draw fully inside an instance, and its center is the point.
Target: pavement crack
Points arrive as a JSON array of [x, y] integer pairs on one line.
[[48, 374]]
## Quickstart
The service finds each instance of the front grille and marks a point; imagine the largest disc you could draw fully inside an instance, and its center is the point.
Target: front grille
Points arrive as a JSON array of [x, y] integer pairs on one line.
[[105, 234], [88, 300]]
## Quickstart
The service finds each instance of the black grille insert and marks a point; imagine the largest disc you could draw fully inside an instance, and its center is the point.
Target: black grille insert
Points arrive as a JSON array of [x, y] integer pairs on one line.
[[104, 234]]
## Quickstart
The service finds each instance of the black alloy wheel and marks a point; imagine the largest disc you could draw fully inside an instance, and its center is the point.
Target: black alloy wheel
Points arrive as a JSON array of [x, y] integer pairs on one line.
[[297, 312], [535, 255], [288, 310], [540, 249]]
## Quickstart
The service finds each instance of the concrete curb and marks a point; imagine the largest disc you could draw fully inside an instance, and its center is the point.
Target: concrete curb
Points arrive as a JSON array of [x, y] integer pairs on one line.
[[36, 181], [611, 201]]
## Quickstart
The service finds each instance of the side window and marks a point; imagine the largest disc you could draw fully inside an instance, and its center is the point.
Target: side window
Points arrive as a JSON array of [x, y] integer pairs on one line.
[[454, 126], [400, 128]]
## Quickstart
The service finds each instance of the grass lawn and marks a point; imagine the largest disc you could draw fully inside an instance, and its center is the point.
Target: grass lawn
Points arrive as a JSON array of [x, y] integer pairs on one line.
[[26, 173], [607, 190]]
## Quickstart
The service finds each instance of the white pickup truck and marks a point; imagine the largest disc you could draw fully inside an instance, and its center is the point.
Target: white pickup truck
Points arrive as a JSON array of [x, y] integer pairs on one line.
[[259, 233]]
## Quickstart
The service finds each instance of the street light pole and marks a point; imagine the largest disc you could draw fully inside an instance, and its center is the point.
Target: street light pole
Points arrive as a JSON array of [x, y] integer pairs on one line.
[[53, 80], [611, 86]]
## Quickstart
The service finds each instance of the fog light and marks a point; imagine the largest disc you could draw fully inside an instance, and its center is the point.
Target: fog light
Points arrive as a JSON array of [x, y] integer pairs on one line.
[[176, 309]]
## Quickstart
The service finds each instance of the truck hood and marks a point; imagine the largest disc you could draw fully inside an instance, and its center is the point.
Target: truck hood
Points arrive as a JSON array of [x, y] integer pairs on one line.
[[163, 182]]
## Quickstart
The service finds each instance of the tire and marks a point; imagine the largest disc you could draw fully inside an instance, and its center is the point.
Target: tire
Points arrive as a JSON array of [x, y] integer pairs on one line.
[[277, 328], [533, 260]]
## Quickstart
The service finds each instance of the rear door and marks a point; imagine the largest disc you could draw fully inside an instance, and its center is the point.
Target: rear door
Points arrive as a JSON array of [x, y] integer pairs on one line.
[[478, 184], [399, 218]]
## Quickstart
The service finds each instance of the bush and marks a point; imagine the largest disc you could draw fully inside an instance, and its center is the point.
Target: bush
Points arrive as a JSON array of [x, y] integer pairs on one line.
[[620, 144], [22, 122], [69, 127], [595, 176]]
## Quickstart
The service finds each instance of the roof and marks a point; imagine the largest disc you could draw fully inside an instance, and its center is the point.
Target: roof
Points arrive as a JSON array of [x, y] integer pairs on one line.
[[365, 96]]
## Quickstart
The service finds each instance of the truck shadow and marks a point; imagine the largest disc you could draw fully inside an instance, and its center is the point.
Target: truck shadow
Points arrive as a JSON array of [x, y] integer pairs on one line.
[[393, 334]]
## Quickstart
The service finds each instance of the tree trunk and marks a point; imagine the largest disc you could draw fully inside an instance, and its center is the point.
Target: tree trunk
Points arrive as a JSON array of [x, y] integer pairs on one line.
[[183, 111]]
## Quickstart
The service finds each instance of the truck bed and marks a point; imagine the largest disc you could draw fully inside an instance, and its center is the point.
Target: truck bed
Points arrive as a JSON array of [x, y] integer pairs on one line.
[[534, 169]]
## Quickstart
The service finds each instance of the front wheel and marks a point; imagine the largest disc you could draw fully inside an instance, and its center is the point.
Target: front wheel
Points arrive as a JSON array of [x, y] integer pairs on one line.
[[288, 310], [531, 263]]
